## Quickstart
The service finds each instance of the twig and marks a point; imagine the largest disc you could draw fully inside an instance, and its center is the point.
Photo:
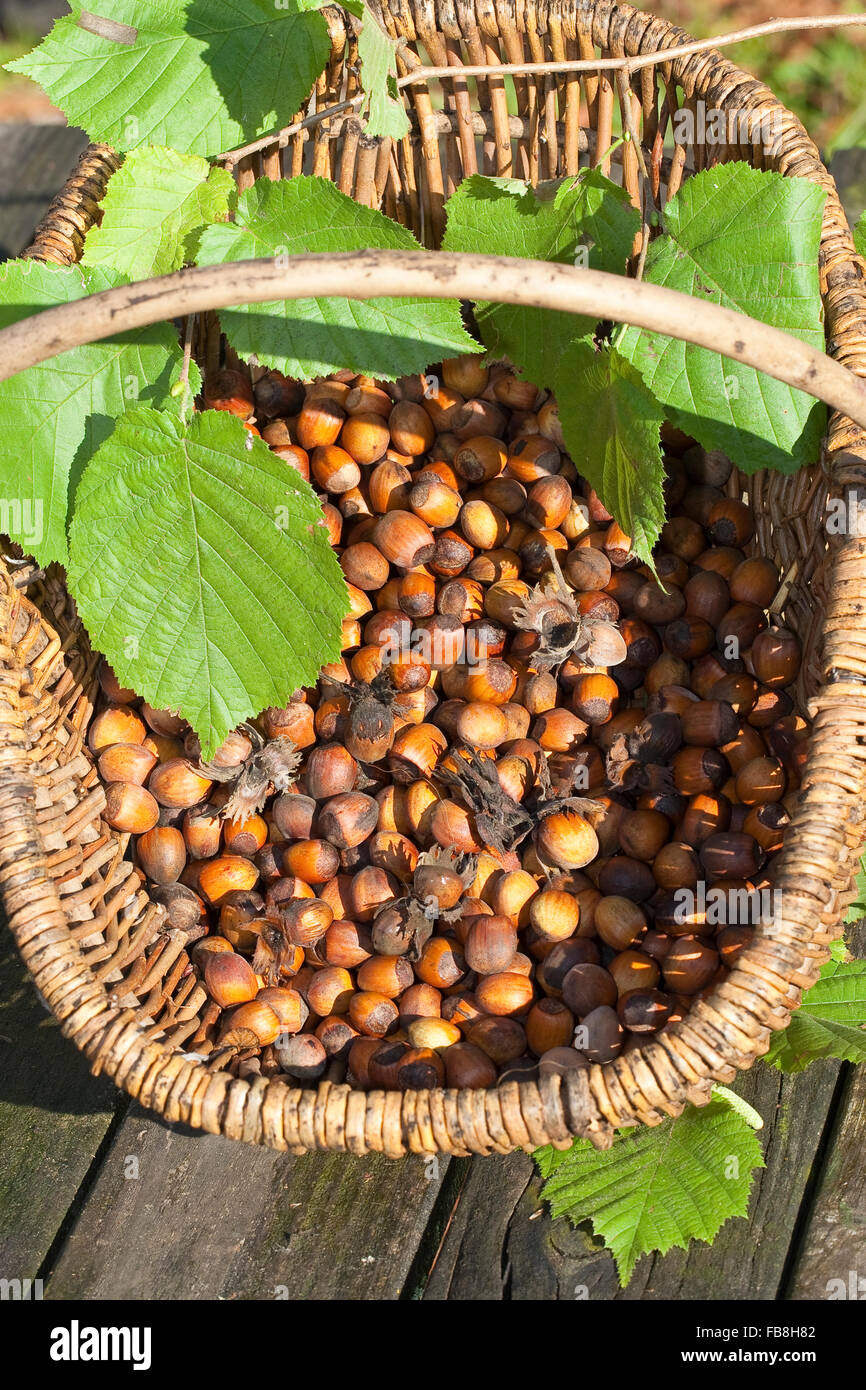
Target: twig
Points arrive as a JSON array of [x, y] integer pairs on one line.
[[628, 121], [634, 137], [645, 199], [282, 137], [593, 65], [644, 239], [439, 275]]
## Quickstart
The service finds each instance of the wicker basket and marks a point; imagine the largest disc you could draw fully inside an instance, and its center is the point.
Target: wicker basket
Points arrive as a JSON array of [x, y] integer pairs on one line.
[[116, 981]]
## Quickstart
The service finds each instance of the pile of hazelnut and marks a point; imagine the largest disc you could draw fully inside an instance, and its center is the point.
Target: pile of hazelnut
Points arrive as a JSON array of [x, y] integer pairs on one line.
[[515, 826]]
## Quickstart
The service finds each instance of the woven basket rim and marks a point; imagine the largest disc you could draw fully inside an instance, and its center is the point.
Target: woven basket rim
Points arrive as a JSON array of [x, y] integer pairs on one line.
[[672, 1070]]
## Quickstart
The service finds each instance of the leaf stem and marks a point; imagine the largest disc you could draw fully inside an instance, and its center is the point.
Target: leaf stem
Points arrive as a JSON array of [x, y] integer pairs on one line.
[[183, 379], [611, 150], [742, 1107]]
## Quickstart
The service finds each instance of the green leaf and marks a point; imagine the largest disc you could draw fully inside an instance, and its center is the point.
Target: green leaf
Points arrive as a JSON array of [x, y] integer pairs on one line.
[[386, 114], [860, 235], [829, 1022], [155, 206], [202, 568], [611, 424], [581, 220], [201, 75], [839, 993], [806, 1039], [53, 416], [748, 240], [657, 1188], [312, 337]]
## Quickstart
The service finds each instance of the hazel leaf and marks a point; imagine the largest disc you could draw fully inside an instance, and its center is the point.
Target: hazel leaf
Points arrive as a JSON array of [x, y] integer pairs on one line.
[[830, 1022], [59, 412], [312, 337], [154, 209], [582, 220], [202, 567], [386, 114], [611, 424], [654, 1189], [198, 75], [747, 239]]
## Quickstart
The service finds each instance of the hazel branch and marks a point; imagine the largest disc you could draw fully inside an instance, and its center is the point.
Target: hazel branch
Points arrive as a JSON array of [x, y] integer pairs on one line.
[[439, 275]]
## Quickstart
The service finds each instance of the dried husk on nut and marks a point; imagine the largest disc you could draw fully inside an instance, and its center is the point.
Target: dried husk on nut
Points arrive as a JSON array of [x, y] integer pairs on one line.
[[271, 763]]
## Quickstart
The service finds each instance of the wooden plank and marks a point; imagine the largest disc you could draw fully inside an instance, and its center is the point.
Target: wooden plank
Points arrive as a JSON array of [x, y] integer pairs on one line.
[[53, 1117], [502, 1243], [35, 160], [831, 1257], [180, 1215], [469, 1264]]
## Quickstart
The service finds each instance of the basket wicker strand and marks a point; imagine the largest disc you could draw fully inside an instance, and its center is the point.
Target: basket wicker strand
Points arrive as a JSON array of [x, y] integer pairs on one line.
[[120, 985]]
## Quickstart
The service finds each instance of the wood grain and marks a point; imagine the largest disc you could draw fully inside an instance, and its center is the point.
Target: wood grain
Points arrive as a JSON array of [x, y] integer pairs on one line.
[[53, 1117], [180, 1215], [502, 1243], [833, 1244]]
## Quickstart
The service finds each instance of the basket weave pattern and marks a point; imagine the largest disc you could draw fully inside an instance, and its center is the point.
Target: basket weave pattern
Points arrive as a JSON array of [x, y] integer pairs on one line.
[[116, 980]]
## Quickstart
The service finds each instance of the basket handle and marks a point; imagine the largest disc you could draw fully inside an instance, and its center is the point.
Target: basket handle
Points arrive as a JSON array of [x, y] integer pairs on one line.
[[437, 275]]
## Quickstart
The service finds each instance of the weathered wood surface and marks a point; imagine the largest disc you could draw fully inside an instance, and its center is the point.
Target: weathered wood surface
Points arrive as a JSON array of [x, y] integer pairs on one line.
[[173, 1214], [180, 1215], [833, 1244], [53, 1117], [502, 1244], [34, 161]]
